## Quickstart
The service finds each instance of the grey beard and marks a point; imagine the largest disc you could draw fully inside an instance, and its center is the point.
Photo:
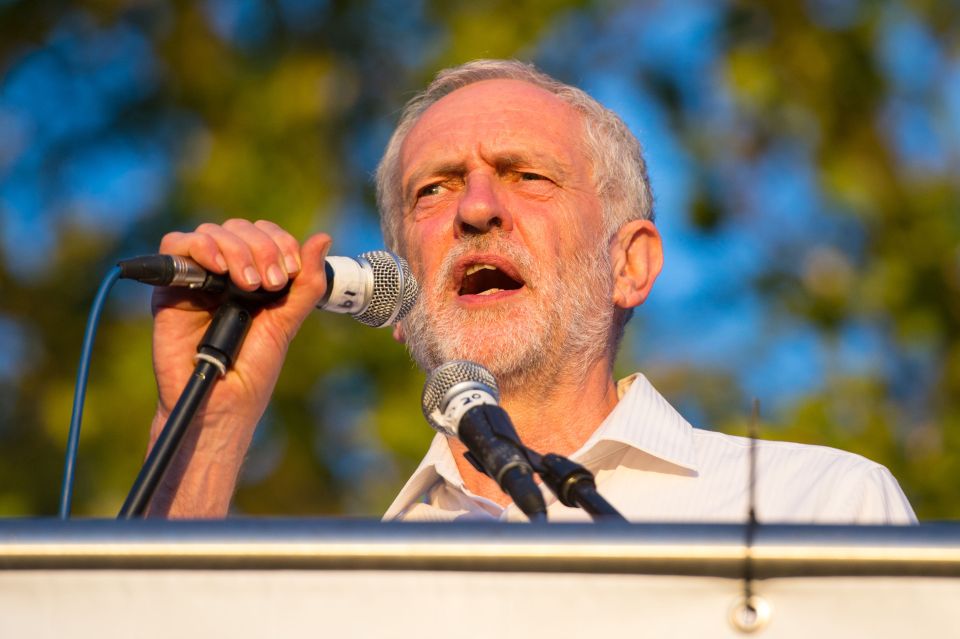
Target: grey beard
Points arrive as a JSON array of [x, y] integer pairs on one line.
[[568, 331]]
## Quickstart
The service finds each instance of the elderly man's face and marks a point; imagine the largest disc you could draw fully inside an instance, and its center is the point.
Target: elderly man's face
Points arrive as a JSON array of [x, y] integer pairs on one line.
[[503, 225]]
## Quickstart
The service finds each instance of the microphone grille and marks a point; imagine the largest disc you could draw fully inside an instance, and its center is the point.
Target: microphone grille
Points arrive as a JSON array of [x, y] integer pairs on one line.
[[394, 289], [445, 377]]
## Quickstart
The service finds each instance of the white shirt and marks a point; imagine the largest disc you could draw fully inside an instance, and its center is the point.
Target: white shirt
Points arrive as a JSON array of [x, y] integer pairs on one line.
[[652, 465]]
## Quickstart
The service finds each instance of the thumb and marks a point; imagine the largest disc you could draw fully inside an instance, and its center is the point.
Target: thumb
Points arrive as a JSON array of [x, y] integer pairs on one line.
[[309, 285], [311, 282]]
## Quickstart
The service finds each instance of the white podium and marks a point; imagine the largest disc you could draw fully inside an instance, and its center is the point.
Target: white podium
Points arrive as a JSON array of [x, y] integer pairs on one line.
[[346, 578]]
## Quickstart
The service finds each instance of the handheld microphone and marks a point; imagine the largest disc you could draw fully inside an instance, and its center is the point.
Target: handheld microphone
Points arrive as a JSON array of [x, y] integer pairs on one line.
[[376, 287], [461, 399]]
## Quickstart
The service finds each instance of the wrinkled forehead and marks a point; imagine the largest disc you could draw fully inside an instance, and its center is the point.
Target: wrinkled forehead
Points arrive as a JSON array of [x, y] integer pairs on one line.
[[500, 116]]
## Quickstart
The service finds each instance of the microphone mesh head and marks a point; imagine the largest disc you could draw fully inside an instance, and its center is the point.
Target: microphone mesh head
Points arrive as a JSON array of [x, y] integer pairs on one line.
[[442, 379], [394, 289]]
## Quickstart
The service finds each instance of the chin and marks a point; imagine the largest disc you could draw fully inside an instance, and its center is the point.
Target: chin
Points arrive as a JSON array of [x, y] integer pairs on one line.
[[499, 356], [502, 342]]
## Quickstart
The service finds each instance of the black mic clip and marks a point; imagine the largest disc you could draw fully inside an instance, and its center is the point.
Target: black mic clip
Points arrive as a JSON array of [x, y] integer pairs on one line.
[[573, 485], [561, 475]]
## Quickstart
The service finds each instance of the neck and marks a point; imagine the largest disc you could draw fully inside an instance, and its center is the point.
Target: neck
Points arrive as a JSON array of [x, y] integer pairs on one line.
[[557, 420]]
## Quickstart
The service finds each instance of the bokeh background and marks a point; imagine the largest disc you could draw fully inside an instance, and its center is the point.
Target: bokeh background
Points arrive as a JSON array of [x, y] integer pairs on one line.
[[805, 157]]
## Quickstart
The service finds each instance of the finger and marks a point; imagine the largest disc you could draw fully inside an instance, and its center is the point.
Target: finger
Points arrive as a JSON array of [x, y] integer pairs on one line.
[[288, 245], [270, 271], [201, 248], [237, 254]]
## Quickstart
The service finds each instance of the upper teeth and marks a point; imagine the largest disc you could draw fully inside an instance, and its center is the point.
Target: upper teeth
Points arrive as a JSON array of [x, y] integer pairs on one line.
[[479, 267]]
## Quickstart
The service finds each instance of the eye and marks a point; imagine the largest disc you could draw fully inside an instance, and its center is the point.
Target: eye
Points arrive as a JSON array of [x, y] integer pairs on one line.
[[430, 189], [527, 175]]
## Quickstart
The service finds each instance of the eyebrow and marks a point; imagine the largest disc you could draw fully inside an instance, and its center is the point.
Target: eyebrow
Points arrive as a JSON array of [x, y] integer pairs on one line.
[[512, 160], [501, 162], [444, 169]]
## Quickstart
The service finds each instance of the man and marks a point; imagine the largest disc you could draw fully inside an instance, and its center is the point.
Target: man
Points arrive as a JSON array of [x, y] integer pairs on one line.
[[524, 209]]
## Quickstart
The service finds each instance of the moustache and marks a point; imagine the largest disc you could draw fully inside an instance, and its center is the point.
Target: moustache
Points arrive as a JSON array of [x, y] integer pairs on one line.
[[522, 260]]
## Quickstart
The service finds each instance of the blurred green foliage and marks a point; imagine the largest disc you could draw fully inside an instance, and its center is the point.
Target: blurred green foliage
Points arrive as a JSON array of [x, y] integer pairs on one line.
[[280, 109]]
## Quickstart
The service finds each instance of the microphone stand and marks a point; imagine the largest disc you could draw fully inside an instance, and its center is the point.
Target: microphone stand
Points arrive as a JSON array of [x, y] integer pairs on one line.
[[215, 354], [573, 485]]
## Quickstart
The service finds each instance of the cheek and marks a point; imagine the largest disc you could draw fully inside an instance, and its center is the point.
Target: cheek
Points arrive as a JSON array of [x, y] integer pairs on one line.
[[584, 230], [552, 234], [425, 248]]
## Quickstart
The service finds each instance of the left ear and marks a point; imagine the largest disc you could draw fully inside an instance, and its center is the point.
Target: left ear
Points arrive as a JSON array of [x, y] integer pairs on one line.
[[637, 257]]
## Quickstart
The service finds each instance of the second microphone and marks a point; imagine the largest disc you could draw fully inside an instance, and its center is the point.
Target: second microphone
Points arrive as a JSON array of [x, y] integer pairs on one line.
[[461, 399]]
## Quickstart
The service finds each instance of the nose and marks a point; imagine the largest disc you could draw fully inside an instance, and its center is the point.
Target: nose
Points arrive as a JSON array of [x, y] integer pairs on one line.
[[481, 207]]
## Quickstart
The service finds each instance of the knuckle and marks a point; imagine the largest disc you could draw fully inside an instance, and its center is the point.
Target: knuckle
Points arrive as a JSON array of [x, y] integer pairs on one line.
[[235, 223], [207, 227], [169, 240], [207, 242], [267, 225], [278, 234], [267, 251]]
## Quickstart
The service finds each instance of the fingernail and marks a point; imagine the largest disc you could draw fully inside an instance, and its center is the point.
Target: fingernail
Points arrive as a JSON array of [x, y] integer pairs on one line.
[[275, 275], [221, 262], [250, 274], [293, 266]]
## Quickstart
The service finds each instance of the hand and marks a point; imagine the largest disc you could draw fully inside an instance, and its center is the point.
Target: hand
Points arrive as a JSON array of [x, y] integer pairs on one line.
[[201, 479]]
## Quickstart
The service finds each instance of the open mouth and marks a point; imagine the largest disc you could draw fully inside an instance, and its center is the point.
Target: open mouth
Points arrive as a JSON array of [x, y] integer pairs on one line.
[[486, 279]]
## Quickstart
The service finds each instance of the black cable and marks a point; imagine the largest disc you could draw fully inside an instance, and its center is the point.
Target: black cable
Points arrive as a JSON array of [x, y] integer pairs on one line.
[[751, 527]]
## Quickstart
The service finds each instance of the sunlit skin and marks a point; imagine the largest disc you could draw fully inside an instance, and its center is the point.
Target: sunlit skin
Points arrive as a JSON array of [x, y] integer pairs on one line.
[[201, 480], [499, 157], [474, 162], [506, 157]]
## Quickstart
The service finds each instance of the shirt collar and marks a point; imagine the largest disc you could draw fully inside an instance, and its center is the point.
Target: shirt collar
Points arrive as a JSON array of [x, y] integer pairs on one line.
[[642, 419], [437, 464]]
